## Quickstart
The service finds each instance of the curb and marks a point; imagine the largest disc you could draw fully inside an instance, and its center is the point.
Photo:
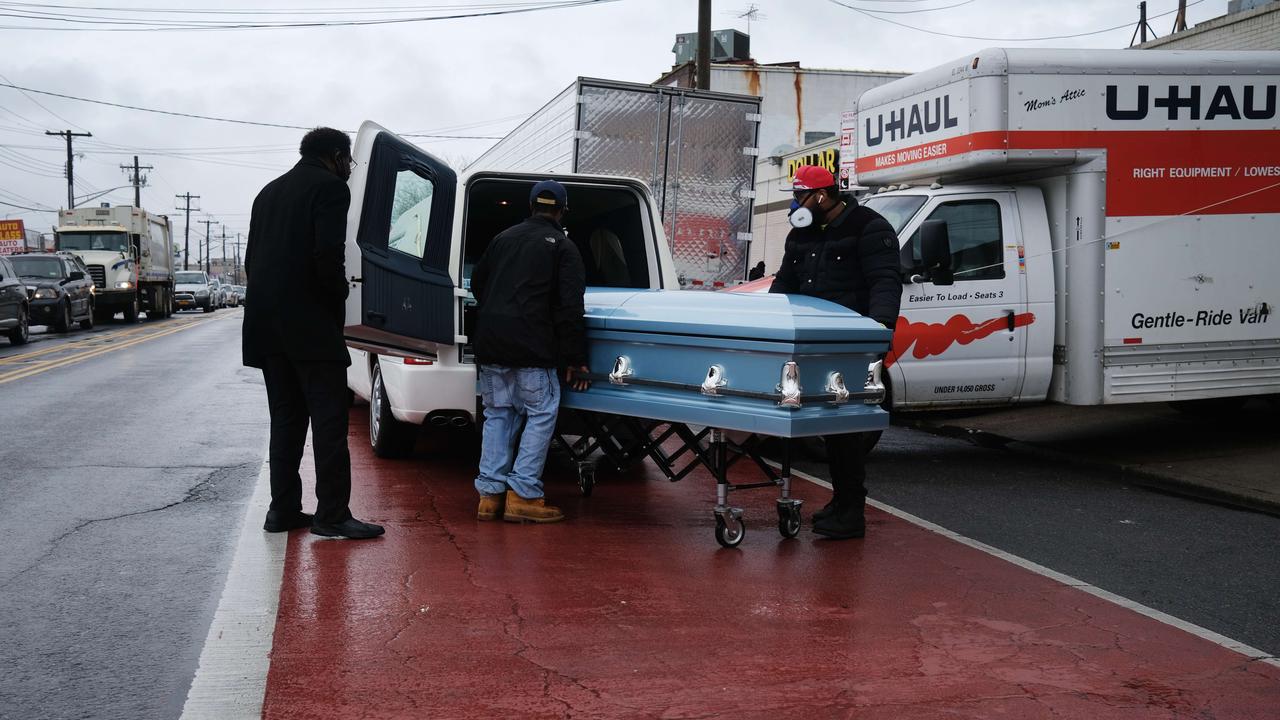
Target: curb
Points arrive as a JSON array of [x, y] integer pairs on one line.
[[1136, 475]]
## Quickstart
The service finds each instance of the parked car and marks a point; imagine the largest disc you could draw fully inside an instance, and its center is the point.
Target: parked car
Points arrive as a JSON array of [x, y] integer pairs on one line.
[[59, 289], [15, 318], [242, 292], [231, 295], [192, 291]]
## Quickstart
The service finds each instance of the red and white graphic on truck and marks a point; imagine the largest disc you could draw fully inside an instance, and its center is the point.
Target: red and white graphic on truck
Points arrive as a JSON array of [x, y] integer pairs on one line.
[[928, 339]]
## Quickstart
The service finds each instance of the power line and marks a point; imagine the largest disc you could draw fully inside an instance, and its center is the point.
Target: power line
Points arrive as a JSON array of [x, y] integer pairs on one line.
[[921, 10], [194, 116], [164, 25], [995, 39]]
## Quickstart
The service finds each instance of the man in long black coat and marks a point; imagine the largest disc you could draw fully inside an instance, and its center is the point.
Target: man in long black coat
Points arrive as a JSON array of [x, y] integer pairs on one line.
[[293, 331], [847, 253]]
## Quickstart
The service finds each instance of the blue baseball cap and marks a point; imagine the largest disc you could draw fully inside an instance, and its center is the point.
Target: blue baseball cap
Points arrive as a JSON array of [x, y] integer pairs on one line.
[[549, 193]]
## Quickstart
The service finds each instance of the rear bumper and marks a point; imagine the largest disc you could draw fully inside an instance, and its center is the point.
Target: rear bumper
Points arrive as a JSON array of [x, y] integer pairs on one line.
[[416, 391]]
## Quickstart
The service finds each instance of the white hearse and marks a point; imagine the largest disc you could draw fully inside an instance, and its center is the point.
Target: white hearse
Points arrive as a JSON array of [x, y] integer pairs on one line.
[[414, 232]]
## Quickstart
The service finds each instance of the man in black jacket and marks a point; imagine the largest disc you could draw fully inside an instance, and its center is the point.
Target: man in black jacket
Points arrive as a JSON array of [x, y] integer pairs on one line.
[[293, 331], [528, 287], [847, 253]]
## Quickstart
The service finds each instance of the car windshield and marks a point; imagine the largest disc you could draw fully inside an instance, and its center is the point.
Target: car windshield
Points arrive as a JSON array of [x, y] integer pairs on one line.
[[111, 241], [897, 209], [189, 278], [38, 267]]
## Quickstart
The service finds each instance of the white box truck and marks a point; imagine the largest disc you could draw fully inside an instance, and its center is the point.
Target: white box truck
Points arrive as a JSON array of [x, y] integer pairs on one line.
[[695, 149], [129, 253], [1112, 217]]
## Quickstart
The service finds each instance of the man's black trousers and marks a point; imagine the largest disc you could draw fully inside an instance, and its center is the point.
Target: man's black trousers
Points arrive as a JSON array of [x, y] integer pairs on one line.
[[298, 394], [846, 454]]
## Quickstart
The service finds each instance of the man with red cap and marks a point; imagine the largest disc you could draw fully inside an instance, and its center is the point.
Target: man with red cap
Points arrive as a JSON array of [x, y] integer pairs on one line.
[[841, 251]]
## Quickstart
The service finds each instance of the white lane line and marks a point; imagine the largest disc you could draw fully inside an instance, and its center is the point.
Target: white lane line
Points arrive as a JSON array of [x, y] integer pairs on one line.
[[1247, 650], [231, 682]]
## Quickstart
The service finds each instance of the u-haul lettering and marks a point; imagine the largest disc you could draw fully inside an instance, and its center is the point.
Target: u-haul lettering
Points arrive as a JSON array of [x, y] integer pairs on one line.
[[1191, 102], [911, 121]]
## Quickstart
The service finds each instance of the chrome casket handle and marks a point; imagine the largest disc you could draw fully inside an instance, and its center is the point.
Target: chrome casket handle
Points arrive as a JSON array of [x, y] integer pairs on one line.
[[715, 380], [875, 383], [789, 387], [835, 386], [621, 370]]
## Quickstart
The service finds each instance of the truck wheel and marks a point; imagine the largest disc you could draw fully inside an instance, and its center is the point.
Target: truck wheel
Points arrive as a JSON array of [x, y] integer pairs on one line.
[[63, 323], [20, 334], [132, 311], [158, 312], [168, 303], [389, 437]]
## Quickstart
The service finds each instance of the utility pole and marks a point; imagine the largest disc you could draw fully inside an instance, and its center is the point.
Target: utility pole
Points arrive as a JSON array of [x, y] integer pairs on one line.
[[137, 180], [223, 267], [1180, 20], [1143, 25], [237, 258], [704, 45], [208, 266], [186, 235], [71, 191]]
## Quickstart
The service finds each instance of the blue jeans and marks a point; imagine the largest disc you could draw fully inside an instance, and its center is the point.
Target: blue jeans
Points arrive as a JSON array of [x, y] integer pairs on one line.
[[510, 459]]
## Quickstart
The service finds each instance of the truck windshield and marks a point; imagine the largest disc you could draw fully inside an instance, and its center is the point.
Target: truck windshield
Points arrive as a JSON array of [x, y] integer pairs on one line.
[[897, 209], [189, 278], [35, 266], [110, 241]]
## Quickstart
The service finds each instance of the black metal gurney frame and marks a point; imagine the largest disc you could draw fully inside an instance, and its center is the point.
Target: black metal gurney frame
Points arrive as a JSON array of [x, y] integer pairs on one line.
[[625, 441]]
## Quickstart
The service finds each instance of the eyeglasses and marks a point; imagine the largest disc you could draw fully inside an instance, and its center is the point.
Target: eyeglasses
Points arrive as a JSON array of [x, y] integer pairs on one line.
[[802, 195]]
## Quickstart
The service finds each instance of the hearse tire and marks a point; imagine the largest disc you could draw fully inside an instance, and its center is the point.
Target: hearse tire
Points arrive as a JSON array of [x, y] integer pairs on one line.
[[389, 437]]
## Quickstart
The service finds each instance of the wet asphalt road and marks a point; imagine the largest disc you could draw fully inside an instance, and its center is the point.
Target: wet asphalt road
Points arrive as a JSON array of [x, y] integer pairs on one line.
[[123, 480], [1213, 566]]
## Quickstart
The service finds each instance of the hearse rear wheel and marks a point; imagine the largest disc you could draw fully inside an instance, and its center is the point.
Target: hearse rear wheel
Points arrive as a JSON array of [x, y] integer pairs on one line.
[[389, 437]]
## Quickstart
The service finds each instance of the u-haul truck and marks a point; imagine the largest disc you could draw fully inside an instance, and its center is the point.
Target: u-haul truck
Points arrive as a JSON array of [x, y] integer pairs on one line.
[[1113, 220]]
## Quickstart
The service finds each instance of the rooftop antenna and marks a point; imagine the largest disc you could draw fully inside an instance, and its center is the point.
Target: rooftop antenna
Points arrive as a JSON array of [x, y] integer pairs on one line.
[[751, 13]]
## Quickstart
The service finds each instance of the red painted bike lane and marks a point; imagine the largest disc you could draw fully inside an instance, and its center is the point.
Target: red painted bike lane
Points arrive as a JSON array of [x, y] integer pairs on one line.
[[631, 610]]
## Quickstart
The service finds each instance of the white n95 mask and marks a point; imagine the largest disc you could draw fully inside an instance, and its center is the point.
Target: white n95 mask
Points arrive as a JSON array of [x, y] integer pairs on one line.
[[800, 218]]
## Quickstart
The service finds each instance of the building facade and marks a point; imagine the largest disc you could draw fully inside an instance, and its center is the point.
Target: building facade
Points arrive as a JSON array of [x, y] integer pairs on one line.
[[1248, 25]]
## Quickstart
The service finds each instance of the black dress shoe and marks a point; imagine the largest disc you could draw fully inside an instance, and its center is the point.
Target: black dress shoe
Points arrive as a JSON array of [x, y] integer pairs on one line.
[[827, 510], [351, 529], [843, 524], [284, 522]]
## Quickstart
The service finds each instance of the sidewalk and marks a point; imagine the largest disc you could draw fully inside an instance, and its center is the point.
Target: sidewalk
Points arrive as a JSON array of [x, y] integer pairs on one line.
[[631, 610], [1233, 460]]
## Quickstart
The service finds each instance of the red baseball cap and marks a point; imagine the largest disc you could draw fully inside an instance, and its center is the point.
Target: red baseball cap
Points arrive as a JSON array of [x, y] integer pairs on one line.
[[812, 177]]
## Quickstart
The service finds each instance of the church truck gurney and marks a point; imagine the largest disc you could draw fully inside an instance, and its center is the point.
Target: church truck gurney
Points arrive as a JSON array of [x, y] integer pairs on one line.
[[674, 364]]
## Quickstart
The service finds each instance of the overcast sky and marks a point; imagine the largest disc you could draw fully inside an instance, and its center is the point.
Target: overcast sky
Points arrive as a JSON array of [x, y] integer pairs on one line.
[[475, 76]]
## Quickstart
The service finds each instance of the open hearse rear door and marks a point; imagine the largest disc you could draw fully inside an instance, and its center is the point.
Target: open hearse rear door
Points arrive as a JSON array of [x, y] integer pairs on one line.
[[399, 231]]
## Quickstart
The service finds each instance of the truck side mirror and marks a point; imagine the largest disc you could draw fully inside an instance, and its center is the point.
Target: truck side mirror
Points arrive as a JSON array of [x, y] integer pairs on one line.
[[935, 251]]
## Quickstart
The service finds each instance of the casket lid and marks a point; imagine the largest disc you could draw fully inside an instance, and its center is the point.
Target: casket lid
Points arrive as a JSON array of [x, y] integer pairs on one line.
[[755, 316]]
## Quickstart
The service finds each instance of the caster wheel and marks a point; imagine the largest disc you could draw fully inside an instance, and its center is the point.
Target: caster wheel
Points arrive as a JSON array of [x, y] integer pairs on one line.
[[729, 533], [586, 480], [788, 521]]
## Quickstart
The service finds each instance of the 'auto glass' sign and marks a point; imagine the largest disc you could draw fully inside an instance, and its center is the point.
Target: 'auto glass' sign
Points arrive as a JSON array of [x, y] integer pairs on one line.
[[13, 236]]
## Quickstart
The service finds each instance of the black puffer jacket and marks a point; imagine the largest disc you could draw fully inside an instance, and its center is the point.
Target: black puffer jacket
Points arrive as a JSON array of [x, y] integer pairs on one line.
[[852, 261], [528, 287]]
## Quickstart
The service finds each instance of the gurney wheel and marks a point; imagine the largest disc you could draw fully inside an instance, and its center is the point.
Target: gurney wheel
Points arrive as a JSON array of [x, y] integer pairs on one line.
[[586, 479], [788, 520], [730, 533]]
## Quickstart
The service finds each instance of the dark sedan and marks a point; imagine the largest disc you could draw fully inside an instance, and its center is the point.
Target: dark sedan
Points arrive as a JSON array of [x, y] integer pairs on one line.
[[58, 289]]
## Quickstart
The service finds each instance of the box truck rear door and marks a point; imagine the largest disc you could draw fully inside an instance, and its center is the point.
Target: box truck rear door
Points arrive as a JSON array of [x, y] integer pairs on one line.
[[399, 236]]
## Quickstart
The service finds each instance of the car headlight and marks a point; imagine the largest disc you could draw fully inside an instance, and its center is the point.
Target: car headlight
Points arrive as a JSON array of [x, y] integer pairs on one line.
[[124, 285], [202, 293], [45, 293]]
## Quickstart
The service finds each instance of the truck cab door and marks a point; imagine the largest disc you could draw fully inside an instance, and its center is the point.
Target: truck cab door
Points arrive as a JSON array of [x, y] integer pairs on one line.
[[399, 237], [964, 343]]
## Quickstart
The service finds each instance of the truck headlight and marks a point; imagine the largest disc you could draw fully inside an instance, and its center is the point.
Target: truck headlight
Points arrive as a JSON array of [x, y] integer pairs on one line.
[[124, 285], [45, 293]]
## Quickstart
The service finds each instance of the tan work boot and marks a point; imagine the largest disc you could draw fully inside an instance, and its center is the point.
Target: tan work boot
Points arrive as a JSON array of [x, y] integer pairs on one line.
[[490, 507], [538, 511]]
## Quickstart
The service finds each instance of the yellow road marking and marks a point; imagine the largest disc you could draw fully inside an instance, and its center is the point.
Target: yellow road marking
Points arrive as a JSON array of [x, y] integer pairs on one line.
[[91, 341], [25, 372]]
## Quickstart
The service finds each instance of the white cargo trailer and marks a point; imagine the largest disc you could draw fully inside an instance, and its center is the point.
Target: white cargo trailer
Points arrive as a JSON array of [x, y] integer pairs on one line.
[[695, 149], [1113, 221]]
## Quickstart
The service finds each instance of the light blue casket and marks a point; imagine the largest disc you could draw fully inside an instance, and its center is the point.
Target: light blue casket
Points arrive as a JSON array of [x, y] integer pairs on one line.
[[780, 365]]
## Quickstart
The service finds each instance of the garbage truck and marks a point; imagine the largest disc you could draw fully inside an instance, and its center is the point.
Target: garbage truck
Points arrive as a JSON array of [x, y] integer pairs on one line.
[[129, 253], [1082, 226]]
